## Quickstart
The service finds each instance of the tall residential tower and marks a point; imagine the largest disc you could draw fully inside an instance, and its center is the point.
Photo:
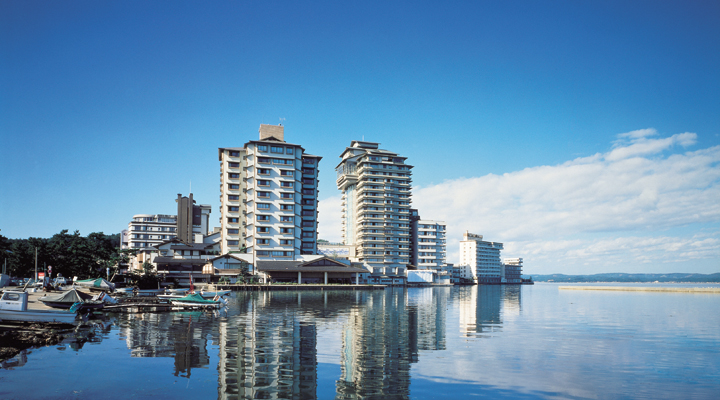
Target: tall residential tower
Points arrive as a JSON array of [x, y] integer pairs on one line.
[[483, 258], [268, 197], [376, 191]]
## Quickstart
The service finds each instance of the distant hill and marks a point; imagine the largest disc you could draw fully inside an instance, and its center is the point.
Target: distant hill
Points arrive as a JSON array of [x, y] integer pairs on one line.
[[620, 277]]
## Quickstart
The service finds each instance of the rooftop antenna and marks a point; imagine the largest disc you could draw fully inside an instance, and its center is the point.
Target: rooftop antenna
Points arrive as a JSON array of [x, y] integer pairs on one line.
[[281, 120], [190, 186]]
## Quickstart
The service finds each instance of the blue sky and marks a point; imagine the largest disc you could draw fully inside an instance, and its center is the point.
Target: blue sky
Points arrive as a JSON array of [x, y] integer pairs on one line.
[[508, 110]]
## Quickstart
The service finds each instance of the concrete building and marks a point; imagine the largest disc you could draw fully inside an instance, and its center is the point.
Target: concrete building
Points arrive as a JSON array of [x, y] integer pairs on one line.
[[512, 270], [376, 191], [193, 221], [148, 230], [268, 197], [483, 258], [431, 244]]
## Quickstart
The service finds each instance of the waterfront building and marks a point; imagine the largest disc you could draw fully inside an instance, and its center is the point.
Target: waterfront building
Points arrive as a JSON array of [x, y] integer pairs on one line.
[[430, 243], [482, 257], [192, 220], [268, 198], [512, 270], [376, 191], [148, 230]]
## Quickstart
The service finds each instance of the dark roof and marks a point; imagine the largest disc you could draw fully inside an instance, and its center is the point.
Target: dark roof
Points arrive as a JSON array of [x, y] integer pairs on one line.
[[188, 261], [323, 264]]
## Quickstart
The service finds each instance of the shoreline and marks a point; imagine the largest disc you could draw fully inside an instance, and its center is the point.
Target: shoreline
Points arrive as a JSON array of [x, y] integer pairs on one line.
[[642, 289]]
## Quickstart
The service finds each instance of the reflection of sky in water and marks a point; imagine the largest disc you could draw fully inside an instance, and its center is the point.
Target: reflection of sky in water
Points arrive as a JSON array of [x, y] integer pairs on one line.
[[497, 341]]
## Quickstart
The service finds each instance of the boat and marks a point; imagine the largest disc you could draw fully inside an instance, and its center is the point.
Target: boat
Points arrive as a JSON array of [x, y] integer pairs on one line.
[[13, 307], [96, 284], [195, 300], [71, 297]]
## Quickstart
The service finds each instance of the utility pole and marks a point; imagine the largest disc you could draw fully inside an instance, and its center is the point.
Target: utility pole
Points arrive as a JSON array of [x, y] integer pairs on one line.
[[36, 277]]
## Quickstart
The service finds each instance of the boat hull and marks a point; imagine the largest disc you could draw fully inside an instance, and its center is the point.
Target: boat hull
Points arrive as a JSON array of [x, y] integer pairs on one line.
[[62, 317]]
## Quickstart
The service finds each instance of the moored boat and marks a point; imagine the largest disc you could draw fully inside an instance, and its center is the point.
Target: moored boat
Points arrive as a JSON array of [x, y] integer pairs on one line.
[[196, 300], [71, 297], [13, 307]]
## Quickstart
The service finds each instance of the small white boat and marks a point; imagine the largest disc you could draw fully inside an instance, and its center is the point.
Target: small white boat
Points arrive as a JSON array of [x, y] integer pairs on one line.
[[13, 307]]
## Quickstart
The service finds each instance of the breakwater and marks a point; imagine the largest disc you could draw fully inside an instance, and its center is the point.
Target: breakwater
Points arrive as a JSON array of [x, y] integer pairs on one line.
[[644, 289]]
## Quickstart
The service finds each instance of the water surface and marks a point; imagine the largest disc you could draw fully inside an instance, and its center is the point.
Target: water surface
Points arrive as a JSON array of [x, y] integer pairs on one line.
[[451, 342]]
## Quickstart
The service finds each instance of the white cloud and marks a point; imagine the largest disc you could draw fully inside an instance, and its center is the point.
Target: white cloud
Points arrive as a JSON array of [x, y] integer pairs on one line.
[[329, 219], [619, 211]]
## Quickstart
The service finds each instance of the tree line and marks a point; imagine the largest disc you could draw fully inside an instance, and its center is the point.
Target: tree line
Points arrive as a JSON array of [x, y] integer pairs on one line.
[[69, 254]]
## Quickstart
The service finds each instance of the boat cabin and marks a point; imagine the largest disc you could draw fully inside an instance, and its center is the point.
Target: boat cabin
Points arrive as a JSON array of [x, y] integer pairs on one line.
[[14, 301]]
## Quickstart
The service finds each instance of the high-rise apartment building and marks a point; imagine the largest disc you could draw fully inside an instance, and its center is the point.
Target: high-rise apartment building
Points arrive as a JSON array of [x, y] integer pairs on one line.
[[376, 191], [483, 258], [192, 219], [268, 197]]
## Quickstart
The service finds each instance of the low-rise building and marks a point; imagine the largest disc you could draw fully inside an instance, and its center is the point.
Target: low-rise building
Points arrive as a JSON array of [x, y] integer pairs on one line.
[[512, 270]]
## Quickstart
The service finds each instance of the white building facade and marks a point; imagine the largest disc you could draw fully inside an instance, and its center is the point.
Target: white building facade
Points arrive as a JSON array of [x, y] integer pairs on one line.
[[482, 257], [268, 196], [431, 244], [148, 230], [512, 270], [376, 196]]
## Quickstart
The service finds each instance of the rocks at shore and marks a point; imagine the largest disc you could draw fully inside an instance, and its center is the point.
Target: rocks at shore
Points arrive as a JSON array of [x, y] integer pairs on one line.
[[14, 340]]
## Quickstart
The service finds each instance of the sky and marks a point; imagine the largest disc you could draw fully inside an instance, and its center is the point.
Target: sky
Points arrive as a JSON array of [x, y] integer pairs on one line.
[[585, 136]]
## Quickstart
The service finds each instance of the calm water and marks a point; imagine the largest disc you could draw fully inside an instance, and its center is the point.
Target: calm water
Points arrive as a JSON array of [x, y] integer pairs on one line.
[[460, 342]]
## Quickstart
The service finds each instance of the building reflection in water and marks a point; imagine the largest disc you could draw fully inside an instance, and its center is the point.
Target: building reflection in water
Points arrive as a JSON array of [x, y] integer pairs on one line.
[[481, 308], [181, 335], [267, 343]]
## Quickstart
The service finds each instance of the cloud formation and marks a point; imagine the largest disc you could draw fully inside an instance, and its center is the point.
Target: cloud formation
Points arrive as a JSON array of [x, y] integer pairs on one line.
[[608, 212]]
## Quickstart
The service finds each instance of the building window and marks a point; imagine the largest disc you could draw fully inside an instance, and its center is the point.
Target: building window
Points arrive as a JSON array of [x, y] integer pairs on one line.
[[263, 160], [308, 202], [262, 241], [286, 184], [263, 194], [308, 181], [286, 218], [232, 242], [233, 231], [286, 195], [308, 191], [286, 242], [286, 172], [262, 147], [233, 175], [282, 161], [234, 154], [263, 206], [263, 218], [233, 208], [277, 149], [233, 186], [263, 229], [308, 171], [308, 245], [233, 220], [308, 212], [308, 223], [287, 207], [287, 231], [308, 234], [233, 197], [234, 165], [263, 182], [308, 160], [263, 171]]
